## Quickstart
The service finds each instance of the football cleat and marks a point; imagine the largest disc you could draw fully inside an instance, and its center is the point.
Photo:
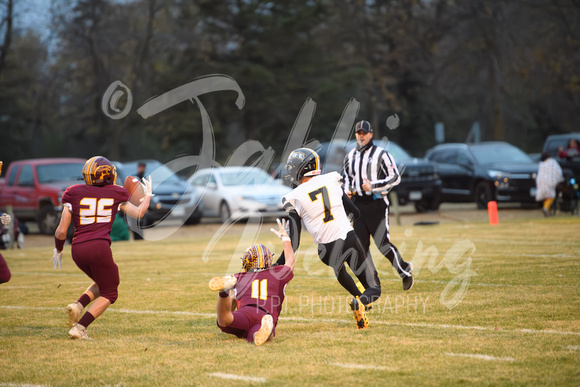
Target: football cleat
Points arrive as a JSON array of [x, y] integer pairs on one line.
[[360, 315], [362, 289], [223, 284], [78, 332], [408, 280], [265, 330], [74, 311]]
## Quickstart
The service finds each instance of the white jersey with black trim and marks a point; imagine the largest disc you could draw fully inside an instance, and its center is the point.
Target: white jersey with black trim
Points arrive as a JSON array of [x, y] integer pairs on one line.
[[319, 203]]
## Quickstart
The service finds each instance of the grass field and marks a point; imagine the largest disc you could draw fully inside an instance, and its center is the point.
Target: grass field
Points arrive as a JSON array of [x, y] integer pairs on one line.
[[491, 305]]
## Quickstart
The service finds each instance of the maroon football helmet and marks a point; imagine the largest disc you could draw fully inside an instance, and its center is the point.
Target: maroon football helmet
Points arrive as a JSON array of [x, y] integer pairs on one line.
[[99, 171]]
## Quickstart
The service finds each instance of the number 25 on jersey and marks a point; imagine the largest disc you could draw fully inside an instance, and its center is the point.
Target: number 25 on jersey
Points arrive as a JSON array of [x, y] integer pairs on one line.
[[98, 211]]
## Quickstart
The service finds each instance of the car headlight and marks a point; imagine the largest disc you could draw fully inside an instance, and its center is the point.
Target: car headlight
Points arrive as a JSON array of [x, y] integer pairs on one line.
[[497, 175]]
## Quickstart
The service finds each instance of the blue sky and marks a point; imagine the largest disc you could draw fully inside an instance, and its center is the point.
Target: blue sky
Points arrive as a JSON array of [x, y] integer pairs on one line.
[[32, 14]]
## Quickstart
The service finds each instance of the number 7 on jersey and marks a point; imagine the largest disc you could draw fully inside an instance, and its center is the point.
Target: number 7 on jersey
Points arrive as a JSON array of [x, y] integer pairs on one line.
[[323, 191]]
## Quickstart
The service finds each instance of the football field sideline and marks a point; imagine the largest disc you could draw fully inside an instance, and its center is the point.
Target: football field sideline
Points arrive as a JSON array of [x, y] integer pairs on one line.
[[329, 320]]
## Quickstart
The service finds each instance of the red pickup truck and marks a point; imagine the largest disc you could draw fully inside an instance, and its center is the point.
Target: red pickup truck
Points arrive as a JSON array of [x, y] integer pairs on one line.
[[34, 189]]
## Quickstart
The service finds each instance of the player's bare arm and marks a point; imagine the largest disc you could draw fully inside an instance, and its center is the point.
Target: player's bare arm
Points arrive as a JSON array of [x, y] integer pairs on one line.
[[282, 233], [60, 237], [139, 211]]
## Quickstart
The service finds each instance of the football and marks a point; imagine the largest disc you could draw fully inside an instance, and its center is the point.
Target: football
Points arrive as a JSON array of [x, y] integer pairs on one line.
[[135, 189]]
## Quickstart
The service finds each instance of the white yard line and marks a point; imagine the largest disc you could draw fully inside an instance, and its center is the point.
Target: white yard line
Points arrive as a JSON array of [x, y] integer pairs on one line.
[[238, 377], [59, 274], [550, 255], [358, 366], [130, 311], [310, 320], [481, 357]]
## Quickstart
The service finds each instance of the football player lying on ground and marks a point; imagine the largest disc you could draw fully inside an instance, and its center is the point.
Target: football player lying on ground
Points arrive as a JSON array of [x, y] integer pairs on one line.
[[93, 207], [320, 202], [4, 271], [259, 291]]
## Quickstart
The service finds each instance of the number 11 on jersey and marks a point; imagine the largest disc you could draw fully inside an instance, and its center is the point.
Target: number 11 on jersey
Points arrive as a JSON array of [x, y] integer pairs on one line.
[[260, 289]]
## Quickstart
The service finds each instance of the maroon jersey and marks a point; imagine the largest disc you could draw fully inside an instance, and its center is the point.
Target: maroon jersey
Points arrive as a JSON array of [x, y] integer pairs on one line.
[[264, 289], [93, 209]]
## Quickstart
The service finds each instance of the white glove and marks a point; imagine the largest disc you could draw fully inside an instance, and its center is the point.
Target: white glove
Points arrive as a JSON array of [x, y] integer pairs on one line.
[[283, 231], [57, 260], [5, 219], [147, 186]]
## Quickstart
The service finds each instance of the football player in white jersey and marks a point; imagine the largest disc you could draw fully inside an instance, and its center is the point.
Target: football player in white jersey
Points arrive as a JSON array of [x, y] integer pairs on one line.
[[319, 201]]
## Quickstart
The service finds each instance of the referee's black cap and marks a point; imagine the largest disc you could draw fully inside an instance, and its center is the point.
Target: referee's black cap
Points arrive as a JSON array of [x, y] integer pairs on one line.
[[365, 126]]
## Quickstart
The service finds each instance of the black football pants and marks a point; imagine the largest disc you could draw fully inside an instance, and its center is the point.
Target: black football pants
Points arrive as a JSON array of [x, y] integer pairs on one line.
[[374, 221], [350, 251]]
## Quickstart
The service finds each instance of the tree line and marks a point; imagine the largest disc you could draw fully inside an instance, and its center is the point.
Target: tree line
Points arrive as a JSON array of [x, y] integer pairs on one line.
[[513, 67]]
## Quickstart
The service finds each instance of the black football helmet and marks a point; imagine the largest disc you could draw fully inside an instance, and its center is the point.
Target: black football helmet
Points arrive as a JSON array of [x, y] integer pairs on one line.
[[99, 171], [301, 163]]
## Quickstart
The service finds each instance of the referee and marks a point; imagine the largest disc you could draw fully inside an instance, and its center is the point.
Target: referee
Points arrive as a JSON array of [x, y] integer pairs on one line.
[[368, 172]]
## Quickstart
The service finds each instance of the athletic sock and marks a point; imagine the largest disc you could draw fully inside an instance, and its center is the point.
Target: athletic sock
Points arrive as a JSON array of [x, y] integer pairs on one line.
[[86, 320], [84, 300]]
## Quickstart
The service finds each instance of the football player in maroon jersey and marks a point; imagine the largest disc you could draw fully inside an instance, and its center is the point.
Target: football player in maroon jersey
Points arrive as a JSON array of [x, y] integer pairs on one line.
[[93, 207], [4, 270], [259, 291]]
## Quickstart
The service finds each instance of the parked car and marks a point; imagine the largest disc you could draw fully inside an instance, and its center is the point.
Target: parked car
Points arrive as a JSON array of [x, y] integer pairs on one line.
[[34, 189], [239, 192], [420, 183], [570, 165], [485, 171], [171, 194]]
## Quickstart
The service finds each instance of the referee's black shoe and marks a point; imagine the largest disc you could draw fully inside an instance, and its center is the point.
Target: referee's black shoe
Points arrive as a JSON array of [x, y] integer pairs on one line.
[[408, 280]]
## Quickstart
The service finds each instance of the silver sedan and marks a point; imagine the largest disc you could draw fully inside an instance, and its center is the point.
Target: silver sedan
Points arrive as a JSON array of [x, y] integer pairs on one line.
[[238, 192]]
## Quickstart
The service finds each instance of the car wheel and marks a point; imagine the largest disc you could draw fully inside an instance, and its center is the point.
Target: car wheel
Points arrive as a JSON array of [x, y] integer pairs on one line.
[[225, 212], [47, 220], [483, 194], [193, 219]]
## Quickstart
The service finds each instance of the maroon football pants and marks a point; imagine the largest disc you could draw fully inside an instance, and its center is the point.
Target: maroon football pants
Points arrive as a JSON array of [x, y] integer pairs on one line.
[[247, 321], [4, 271], [96, 260]]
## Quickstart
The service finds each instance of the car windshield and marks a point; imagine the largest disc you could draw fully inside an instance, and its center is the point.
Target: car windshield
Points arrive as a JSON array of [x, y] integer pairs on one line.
[[160, 172], [49, 173], [245, 177], [499, 154], [396, 151]]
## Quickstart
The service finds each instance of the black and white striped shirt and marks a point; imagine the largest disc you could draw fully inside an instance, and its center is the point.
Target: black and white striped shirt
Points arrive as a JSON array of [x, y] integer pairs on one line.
[[374, 164]]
